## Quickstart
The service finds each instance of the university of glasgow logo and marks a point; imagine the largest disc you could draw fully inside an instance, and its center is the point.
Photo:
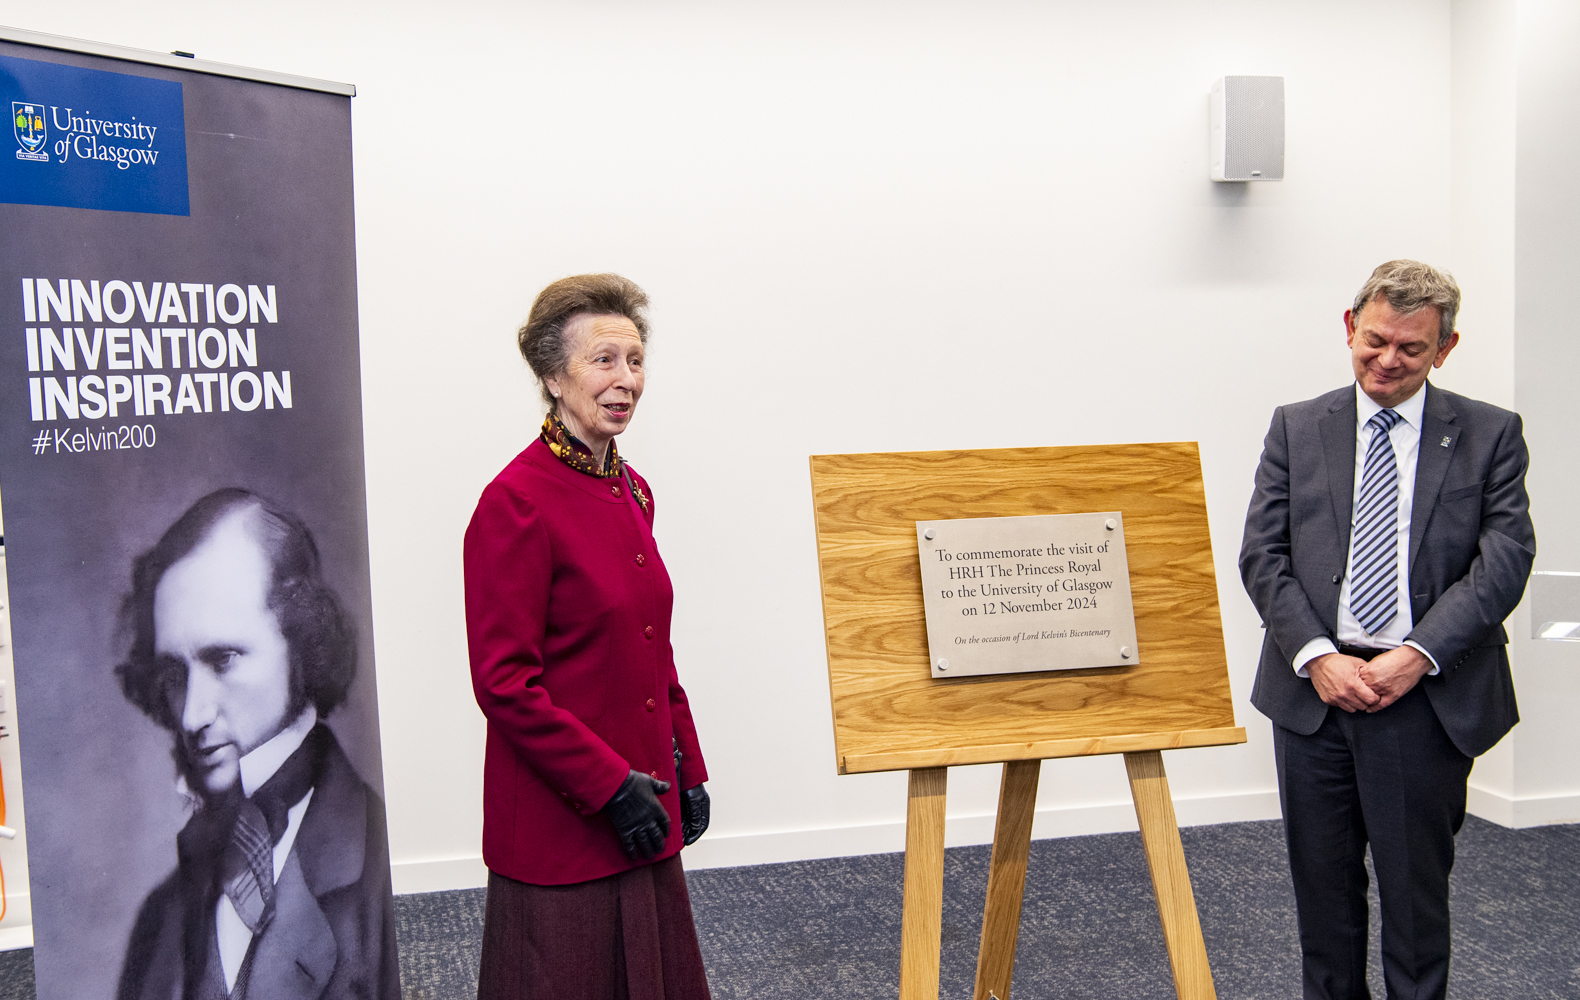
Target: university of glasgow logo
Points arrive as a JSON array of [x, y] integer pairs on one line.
[[27, 121]]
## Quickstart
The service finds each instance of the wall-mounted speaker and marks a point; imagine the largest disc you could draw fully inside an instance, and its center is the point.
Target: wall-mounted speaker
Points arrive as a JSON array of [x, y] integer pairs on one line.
[[1248, 128]]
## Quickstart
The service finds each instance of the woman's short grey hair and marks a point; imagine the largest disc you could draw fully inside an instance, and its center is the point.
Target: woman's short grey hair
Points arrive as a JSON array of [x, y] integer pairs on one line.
[[1408, 286], [542, 337]]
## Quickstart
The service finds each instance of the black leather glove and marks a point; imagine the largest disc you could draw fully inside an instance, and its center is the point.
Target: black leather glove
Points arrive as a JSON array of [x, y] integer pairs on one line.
[[638, 817], [694, 809]]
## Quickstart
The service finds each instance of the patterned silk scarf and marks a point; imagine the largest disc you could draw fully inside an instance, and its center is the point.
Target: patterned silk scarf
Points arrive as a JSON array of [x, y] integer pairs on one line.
[[573, 451]]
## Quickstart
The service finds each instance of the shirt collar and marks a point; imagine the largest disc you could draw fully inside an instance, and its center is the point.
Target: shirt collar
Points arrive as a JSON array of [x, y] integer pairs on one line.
[[1411, 410], [260, 765]]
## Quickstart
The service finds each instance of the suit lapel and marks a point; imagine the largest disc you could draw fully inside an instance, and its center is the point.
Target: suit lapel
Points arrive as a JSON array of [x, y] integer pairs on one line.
[[1439, 439], [1338, 450], [333, 842], [296, 954]]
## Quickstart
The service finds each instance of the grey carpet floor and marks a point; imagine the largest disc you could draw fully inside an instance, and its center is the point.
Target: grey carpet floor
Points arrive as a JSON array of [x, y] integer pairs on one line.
[[1089, 930]]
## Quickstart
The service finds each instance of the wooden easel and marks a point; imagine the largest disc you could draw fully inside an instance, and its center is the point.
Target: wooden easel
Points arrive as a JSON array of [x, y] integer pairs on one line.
[[890, 714]]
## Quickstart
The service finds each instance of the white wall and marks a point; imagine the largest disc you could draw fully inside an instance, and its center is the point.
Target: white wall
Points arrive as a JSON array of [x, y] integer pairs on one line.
[[866, 227], [1546, 764], [1516, 250], [1485, 64]]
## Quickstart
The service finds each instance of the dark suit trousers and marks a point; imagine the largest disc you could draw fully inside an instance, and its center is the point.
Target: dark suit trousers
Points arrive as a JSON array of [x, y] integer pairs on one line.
[[1392, 779]]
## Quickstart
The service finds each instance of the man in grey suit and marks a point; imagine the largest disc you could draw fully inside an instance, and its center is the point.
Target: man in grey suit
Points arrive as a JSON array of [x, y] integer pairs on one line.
[[1388, 538]]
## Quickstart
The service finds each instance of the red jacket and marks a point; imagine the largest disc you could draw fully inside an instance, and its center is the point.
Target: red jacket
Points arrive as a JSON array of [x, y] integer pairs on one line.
[[567, 622]]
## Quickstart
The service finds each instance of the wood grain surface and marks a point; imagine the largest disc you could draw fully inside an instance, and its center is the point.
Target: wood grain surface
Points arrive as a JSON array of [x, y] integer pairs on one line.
[[922, 916], [1160, 836], [1086, 746], [1017, 806], [886, 703]]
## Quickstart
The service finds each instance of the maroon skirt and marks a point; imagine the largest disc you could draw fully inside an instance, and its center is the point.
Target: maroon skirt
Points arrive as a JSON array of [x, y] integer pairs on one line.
[[626, 937]]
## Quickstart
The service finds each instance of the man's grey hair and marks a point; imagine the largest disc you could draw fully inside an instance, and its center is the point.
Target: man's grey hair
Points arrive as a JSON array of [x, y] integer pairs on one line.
[[1409, 286]]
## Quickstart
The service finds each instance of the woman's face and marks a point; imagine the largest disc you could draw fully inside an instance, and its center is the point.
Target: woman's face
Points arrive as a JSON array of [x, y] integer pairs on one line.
[[597, 392]]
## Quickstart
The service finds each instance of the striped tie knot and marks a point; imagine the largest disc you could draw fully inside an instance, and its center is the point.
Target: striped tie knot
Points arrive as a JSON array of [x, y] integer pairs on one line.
[[1374, 571], [1383, 420]]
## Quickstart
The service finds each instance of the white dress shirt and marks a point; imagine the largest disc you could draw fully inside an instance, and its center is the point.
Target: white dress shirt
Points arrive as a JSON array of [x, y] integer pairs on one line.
[[257, 767], [1406, 440]]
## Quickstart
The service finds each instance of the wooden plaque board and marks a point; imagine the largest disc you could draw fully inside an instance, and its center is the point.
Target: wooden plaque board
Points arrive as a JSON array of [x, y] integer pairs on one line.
[[890, 714]]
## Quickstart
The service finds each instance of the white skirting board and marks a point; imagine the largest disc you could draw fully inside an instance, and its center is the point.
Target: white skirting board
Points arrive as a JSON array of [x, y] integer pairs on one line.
[[17, 929], [834, 842], [1545, 810], [879, 838], [771, 847]]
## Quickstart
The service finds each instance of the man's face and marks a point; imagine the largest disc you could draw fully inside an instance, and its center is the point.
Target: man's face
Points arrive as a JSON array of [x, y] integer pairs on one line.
[[1394, 353], [228, 666]]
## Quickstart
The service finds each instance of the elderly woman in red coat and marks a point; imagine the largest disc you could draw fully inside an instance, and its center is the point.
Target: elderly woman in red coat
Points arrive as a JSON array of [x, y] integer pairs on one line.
[[592, 778]]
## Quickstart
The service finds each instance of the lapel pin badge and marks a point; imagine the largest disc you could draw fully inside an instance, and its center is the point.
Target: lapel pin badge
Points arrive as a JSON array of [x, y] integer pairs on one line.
[[1444, 442]]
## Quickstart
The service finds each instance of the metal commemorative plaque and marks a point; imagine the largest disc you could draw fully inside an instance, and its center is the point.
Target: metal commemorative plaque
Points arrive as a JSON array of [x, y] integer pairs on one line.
[[1009, 595]]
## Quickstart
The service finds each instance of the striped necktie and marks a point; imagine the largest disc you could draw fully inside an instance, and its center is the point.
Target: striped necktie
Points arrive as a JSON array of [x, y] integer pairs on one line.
[[247, 872], [247, 866], [1374, 573]]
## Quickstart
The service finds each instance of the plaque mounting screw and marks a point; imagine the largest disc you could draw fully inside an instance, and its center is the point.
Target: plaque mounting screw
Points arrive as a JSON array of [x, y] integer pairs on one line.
[[943, 664], [928, 534], [1124, 652], [1110, 524]]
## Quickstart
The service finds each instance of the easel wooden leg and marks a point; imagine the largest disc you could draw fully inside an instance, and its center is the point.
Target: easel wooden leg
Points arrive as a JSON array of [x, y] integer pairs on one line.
[[921, 926], [1017, 803], [1160, 835]]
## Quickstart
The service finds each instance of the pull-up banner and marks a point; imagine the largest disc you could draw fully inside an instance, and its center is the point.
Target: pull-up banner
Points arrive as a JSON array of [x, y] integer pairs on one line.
[[186, 531]]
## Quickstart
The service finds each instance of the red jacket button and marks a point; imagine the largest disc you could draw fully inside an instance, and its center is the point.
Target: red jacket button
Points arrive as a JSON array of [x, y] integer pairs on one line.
[[641, 560], [653, 775], [615, 490], [651, 704], [648, 631]]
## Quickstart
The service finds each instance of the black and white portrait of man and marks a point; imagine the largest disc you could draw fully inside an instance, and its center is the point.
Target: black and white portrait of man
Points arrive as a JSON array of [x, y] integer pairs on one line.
[[240, 649]]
